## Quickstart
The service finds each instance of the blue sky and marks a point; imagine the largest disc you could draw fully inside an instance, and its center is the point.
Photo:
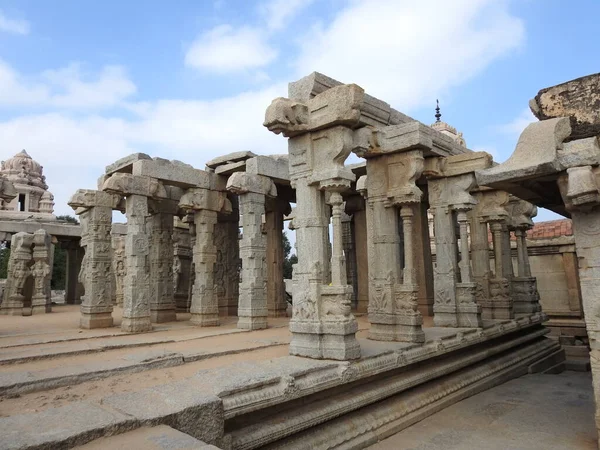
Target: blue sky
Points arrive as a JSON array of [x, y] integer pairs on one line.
[[85, 83]]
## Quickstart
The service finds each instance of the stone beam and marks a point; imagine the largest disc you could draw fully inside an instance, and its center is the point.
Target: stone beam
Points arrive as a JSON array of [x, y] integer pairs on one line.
[[376, 111], [455, 165], [127, 184], [125, 164], [275, 168], [242, 183], [371, 143], [577, 99], [175, 173], [229, 158]]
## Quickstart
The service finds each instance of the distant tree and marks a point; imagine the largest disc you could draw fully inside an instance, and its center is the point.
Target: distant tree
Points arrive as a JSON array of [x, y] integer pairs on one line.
[[288, 260], [67, 218]]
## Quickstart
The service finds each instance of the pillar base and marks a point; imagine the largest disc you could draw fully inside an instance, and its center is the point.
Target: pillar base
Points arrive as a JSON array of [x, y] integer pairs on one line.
[[397, 327], [163, 315], [280, 312], [41, 309], [526, 299], [136, 324], [205, 320], [445, 316], [325, 340], [467, 309], [252, 323], [96, 320]]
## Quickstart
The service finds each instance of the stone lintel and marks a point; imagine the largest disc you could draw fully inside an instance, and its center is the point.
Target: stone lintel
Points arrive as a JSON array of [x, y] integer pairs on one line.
[[536, 154], [457, 164], [88, 198], [175, 173], [127, 184], [369, 143], [229, 158], [581, 152], [125, 164], [316, 83], [275, 168], [577, 99], [229, 168], [197, 199], [242, 183]]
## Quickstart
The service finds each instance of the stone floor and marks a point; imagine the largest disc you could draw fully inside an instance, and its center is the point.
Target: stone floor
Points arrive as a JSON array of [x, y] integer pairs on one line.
[[534, 412]]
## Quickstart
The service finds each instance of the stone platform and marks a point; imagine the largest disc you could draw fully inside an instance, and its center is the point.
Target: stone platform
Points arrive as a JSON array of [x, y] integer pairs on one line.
[[61, 387]]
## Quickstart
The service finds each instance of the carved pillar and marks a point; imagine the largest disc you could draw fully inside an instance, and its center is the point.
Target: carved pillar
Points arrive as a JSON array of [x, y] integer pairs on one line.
[[322, 324], [162, 300], [17, 291], [136, 289], [423, 260], [501, 302], [393, 291], [204, 306], [455, 301], [119, 266], [252, 191], [350, 254], [95, 215], [276, 301], [182, 266], [526, 299], [359, 218], [227, 266], [204, 204], [579, 189], [41, 301]]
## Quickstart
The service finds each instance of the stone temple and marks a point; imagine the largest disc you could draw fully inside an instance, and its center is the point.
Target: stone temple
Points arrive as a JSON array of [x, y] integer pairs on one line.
[[421, 280]]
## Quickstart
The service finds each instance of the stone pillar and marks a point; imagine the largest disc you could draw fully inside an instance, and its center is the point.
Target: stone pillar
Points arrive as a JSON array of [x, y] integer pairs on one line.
[[136, 289], [182, 265], [204, 204], [41, 301], [391, 195], [119, 266], [252, 191], [227, 266], [276, 299], [95, 215], [162, 300], [322, 324], [359, 218], [579, 189], [501, 302], [17, 292], [455, 301], [350, 254], [526, 299], [423, 260]]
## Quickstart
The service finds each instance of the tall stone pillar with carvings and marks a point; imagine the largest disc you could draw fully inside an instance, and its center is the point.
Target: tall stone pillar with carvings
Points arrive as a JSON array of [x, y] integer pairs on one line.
[[252, 191], [454, 286], [41, 301], [320, 140], [499, 303], [160, 229], [182, 263], [94, 209], [276, 301], [392, 199], [204, 204], [526, 299], [580, 187], [136, 289], [18, 274]]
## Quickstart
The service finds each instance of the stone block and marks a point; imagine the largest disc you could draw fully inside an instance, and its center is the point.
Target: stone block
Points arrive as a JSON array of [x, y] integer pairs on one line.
[[577, 99], [277, 169], [125, 164], [230, 158], [174, 173]]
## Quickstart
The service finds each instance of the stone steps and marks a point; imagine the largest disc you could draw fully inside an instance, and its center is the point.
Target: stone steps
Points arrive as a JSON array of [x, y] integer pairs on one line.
[[548, 362]]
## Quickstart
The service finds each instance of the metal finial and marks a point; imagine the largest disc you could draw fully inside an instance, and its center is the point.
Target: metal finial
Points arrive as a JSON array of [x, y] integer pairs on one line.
[[438, 115]]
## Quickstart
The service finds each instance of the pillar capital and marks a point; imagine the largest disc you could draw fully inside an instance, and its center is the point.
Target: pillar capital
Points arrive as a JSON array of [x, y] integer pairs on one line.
[[242, 183]]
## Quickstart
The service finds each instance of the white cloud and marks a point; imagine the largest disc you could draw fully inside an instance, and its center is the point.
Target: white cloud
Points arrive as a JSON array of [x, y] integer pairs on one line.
[[408, 52], [13, 26], [75, 149], [277, 13], [516, 126], [226, 49], [67, 87]]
